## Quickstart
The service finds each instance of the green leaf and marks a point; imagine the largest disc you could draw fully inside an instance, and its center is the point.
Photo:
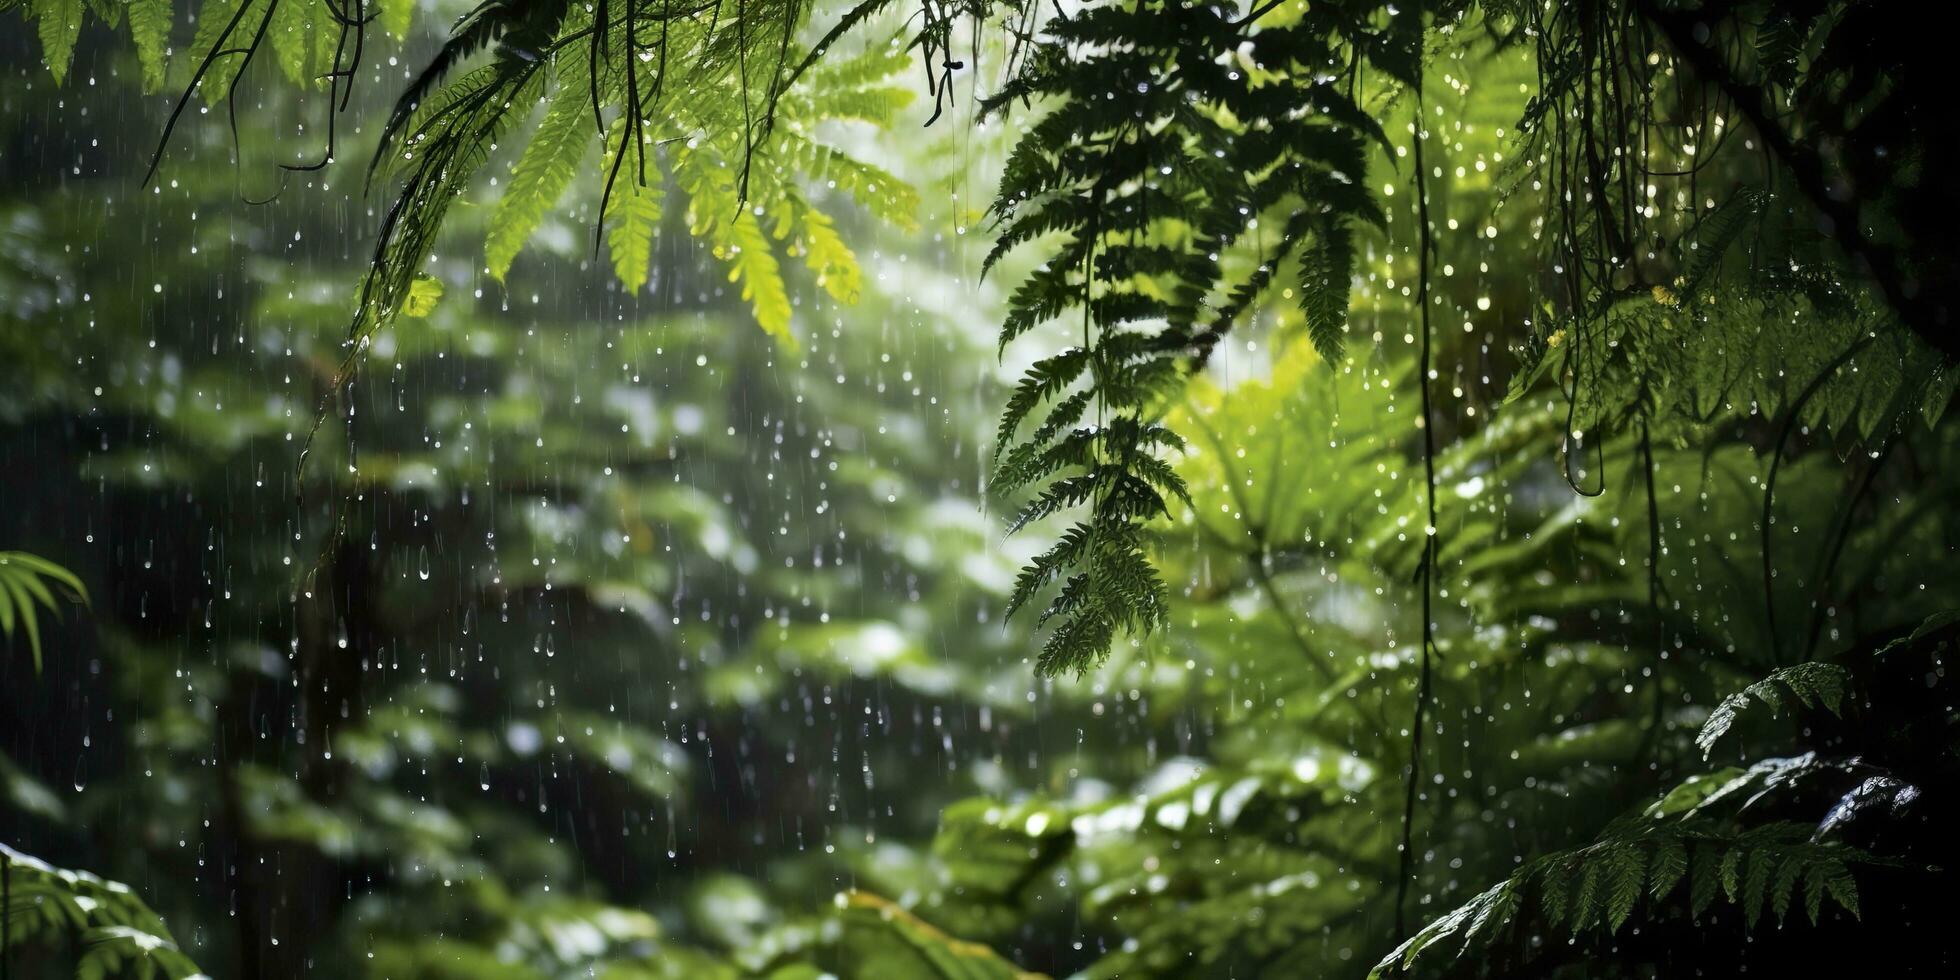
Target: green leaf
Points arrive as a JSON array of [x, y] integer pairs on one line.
[[303, 43], [1326, 267], [214, 17], [114, 932], [1810, 684], [1683, 798], [423, 295], [1707, 880], [60, 23], [1732, 874], [1788, 875], [1755, 883], [539, 179], [24, 582], [1627, 868], [880, 939], [1670, 864], [1587, 903], [149, 29], [632, 214], [826, 255], [735, 237], [752, 262], [1843, 889], [1814, 888]]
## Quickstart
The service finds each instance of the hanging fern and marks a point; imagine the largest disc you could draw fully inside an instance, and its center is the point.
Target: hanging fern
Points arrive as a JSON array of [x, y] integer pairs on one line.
[[726, 83], [690, 85], [60, 27], [149, 31], [718, 215], [632, 218], [304, 38], [1724, 331], [549, 163], [1173, 133]]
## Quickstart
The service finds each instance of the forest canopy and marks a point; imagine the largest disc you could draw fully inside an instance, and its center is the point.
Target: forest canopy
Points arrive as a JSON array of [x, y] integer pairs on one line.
[[523, 489]]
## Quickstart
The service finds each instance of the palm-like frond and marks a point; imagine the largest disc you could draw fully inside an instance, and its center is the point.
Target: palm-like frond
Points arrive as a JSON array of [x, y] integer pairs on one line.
[[29, 584]]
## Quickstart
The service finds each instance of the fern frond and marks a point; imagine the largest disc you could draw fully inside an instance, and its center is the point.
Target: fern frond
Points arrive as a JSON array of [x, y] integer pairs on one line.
[[304, 40], [149, 31], [541, 175], [220, 21], [632, 213], [1047, 378], [1760, 870], [29, 583], [60, 26], [1145, 167], [1808, 684], [1325, 271], [118, 934], [825, 253]]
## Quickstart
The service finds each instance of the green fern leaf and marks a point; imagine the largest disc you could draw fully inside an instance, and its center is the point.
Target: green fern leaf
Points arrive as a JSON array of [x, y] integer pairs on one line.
[[1842, 888], [1814, 889], [1756, 881], [1554, 893], [1788, 876], [1043, 381], [1494, 911], [1732, 874], [1707, 879], [290, 35], [1325, 269], [826, 255], [1809, 684], [1670, 864], [1587, 902], [213, 17], [735, 237], [632, 216], [1067, 551], [149, 29], [60, 23], [24, 585], [877, 191], [1626, 867], [747, 251], [540, 177]]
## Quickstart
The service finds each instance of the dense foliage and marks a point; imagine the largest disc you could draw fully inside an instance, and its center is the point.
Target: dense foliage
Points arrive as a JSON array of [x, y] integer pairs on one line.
[[1476, 477]]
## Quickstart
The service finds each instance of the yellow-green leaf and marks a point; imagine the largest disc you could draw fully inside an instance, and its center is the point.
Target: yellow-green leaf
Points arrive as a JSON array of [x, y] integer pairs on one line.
[[632, 217], [423, 295], [752, 262], [826, 254], [736, 237], [539, 179]]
